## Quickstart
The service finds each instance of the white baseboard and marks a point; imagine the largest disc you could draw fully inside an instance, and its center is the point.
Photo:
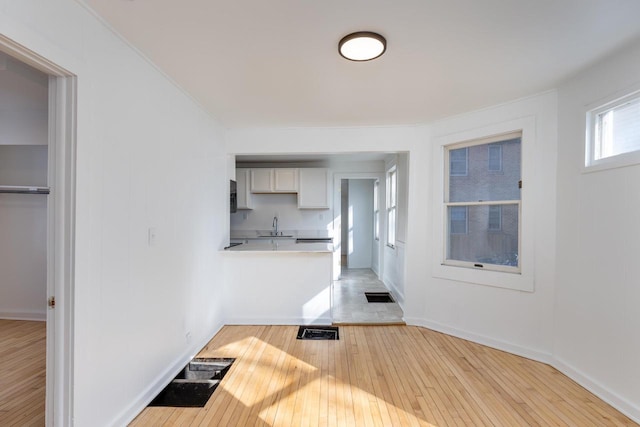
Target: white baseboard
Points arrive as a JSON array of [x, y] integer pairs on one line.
[[34, 315], [628, 408], [399, 296], [482, 339], [278, 321], [161, 382]]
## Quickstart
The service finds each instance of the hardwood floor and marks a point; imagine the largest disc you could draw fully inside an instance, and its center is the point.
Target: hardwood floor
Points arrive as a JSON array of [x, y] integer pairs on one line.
[[381, 376], [22, 373]]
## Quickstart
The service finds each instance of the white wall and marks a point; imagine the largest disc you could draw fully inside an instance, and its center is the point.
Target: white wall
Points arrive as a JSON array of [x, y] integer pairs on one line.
[[23, 103], [147, 156], [360, 226], [597, 292]]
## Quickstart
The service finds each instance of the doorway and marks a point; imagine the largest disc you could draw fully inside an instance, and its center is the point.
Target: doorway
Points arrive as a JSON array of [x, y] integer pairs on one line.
[[359, 249], [359, 252], [37, 184]]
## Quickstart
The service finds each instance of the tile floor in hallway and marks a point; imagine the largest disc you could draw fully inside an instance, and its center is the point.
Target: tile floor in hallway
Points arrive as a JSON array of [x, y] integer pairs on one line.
[[350, 305]]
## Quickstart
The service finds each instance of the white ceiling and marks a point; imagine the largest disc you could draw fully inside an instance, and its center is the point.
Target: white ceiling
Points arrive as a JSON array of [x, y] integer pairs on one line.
[[254, 63]]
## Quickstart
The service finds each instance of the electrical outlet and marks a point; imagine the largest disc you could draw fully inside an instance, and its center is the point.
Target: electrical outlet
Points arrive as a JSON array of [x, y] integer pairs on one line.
[[187, 337], [320, 217], [244, 215]]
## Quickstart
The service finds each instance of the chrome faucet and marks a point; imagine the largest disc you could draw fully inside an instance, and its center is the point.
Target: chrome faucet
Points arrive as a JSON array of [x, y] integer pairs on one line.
[[274, 224]]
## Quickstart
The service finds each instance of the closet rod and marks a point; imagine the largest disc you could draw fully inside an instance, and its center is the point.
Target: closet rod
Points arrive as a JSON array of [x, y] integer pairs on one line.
[[23, 189]]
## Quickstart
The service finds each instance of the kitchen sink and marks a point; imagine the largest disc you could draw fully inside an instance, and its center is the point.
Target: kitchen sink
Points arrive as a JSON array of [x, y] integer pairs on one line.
[[274, 236]]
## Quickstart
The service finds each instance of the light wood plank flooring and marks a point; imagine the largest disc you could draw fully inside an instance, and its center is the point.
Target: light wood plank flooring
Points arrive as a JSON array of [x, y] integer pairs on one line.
[[22, 373], [381, 376]]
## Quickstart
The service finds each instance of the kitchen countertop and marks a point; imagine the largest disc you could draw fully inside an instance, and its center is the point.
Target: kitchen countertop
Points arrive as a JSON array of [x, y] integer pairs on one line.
[[284, 234], [277, 246]]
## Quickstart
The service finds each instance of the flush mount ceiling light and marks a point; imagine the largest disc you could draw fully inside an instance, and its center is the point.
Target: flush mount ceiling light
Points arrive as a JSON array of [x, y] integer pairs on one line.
[[362, 46]]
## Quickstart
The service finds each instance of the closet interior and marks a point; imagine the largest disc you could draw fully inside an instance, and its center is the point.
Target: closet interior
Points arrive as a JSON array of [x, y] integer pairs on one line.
[[24, 190]]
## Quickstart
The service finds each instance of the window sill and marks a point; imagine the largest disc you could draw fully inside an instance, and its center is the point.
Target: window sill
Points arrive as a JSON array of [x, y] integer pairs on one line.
[[613, 162], [477, 276]]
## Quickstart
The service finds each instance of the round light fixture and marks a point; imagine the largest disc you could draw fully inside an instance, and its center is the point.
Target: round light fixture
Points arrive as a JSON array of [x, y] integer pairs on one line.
[[362, 46]]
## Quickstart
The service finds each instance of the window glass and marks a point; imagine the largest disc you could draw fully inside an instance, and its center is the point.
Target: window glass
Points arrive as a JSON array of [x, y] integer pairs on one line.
[[458, 162], [479, 243], [495, 217], [376, 210], [617, 130], [457, 219], [391, 206], [495, 157], [479, 185], [483, 206]]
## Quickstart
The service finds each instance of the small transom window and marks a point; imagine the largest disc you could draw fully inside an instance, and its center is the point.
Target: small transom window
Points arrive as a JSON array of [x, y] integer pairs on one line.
[[614, 130]]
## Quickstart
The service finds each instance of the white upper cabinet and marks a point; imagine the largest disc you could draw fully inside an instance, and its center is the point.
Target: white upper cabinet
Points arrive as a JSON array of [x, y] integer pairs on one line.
[[314, 188], [285, 180], [274, 180], [261, 180], [244, 195]]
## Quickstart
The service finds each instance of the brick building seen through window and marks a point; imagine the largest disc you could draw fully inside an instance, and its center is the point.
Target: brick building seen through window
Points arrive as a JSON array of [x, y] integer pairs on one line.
[[480, 231]]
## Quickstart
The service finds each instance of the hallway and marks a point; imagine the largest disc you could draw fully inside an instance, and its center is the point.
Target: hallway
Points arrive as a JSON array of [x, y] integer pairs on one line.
[[350, 305]]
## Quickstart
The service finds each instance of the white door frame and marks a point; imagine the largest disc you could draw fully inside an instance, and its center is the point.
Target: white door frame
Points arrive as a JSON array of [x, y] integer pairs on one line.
[[60, 231], [337, 236]]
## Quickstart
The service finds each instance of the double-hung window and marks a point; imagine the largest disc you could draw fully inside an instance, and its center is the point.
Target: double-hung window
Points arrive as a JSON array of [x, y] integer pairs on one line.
[[482, 207], [392, 201]]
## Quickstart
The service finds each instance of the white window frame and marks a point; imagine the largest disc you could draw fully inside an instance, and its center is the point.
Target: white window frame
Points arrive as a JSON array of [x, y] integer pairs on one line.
[[447, 204], [591, 163], [392, 204], [523, 280], [376, 210]]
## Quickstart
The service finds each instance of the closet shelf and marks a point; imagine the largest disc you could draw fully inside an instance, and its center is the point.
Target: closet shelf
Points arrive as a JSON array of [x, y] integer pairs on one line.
[[24, 189]]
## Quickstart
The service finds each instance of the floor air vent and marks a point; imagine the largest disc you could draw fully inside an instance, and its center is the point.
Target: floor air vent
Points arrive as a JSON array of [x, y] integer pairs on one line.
[[379, 297], [318, 333], [195, 384]]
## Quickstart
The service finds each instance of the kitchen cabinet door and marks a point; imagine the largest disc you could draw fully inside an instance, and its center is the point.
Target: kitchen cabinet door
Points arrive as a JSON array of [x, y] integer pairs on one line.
[[244, 194], [314, 188], [285, 180], [261, 180]]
